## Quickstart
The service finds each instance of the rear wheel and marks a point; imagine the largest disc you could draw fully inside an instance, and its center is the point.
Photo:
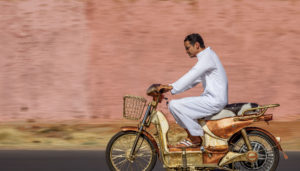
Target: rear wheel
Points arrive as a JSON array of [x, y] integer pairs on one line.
[[119, 148], [268, 153]]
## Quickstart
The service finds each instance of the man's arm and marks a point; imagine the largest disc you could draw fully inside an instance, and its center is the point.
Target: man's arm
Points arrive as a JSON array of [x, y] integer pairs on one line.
[[197, 81], [193, 77]]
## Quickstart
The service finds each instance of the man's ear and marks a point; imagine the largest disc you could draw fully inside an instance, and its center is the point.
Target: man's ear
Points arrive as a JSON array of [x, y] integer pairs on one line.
[[197, 45]]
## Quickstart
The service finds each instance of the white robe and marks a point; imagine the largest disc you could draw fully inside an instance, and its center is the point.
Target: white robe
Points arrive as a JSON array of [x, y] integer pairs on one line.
[[210, 72]]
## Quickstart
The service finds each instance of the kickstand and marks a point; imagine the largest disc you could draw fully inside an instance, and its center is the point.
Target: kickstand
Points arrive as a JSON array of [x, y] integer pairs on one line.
[[184, 161]]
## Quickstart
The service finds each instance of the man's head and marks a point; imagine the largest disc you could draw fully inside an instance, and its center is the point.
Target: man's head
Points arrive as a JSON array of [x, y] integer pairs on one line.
[[193, 44]]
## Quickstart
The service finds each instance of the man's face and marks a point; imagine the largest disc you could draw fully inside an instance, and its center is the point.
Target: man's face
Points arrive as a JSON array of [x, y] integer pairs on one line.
[[191, 50]]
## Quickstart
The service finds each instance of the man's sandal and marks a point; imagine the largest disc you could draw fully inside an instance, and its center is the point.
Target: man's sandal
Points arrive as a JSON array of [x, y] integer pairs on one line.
[[186, 143]]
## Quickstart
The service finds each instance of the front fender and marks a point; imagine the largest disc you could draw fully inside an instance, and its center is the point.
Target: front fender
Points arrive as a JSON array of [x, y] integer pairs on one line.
[[248, 129], [148, 135]]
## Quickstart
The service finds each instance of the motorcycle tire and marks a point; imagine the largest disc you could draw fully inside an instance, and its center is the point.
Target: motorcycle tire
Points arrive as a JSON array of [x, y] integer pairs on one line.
[[268, 152], [119, 148]]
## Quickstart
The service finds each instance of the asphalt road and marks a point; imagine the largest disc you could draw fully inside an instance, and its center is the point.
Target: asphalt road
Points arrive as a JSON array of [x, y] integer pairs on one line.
[[17, 160]]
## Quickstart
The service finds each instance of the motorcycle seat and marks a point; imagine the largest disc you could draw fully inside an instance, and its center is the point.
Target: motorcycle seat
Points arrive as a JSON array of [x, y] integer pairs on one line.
[[232, 110]]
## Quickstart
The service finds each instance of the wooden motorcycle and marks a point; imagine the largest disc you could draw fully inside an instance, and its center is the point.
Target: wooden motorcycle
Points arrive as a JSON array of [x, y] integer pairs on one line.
[[228, 142]]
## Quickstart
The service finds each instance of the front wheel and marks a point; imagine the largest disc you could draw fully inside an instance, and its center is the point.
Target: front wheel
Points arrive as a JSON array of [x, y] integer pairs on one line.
[[268, 153], [119, 148]]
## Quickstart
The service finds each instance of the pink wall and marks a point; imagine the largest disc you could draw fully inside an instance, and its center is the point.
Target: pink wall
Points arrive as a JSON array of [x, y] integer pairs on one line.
[[76, 59]]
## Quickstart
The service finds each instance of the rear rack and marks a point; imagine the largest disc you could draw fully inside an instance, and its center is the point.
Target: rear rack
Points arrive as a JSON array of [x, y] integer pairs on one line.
[[261, 112]]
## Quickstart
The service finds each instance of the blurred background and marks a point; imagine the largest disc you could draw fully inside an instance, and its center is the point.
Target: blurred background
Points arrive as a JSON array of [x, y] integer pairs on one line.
[[76, 59]]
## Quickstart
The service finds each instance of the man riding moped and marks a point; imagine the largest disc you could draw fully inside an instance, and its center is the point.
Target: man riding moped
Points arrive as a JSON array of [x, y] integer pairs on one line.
[[209, 71]]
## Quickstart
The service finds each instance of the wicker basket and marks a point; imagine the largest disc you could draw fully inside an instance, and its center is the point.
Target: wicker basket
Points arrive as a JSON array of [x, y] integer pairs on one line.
[[133, 107]]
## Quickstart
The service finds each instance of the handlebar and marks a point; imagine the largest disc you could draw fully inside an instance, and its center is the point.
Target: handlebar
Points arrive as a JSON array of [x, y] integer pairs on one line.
[[158, 89]]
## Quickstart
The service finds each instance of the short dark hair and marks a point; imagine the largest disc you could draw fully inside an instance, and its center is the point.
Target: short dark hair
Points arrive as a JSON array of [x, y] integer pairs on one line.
[[193, 38]]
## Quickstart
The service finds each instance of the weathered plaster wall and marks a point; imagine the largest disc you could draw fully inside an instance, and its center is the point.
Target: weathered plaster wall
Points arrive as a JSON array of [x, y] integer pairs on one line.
[[77, 58], [44, 53]]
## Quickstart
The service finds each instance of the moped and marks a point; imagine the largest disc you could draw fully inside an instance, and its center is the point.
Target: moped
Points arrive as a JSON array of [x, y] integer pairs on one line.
[[228, 142]]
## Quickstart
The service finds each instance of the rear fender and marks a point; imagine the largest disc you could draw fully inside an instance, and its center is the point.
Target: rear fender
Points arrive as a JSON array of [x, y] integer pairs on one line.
[[248, 129], [148, 135]]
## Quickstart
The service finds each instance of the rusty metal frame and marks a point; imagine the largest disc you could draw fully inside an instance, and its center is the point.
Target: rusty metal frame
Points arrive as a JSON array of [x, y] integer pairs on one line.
[[226, 127], [212, 158], [246, 139], [231, 157]]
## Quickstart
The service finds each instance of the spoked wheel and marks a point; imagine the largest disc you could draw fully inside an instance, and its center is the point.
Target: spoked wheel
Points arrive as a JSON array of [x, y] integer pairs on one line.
[[268, 153], [119, 148]]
